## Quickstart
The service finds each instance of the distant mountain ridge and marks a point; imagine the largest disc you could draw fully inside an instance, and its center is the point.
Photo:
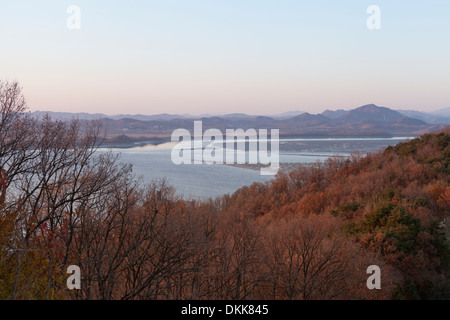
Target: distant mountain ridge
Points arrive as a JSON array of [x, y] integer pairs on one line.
[[442, 112], [434, 117], [367, 120], [440, 116], [94, 116], [333, 114], [371, 112]]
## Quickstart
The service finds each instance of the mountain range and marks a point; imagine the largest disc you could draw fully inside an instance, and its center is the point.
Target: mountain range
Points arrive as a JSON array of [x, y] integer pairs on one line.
[[368, 120]]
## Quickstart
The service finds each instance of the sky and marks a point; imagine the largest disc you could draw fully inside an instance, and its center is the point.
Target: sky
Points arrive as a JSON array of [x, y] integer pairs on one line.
[[226, 56]]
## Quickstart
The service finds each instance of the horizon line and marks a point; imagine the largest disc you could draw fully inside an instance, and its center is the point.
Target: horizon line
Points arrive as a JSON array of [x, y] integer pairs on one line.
[[300, 111]]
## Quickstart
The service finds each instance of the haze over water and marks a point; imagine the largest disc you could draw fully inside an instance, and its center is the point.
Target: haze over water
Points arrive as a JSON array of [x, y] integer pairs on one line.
[[204, 181]]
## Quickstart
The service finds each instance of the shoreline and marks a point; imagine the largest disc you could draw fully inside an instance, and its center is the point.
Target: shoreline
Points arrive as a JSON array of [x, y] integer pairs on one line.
[[125, 142], [285, 167]]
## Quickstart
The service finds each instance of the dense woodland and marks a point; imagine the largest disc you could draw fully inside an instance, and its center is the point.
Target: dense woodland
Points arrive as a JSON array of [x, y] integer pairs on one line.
[[308, 234]]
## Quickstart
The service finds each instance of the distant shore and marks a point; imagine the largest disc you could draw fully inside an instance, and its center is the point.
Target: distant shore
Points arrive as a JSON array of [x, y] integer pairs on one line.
[[284, 167], [135, 140]]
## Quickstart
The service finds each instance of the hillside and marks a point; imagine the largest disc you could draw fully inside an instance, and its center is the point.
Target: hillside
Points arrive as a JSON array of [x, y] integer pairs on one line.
[[394, 203]]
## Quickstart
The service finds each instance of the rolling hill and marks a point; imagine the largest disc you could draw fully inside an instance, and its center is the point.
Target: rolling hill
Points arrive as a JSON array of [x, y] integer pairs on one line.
[[366, 121]]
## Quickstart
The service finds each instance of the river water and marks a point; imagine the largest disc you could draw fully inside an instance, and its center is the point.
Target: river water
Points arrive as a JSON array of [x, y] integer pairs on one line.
[[204, 180]]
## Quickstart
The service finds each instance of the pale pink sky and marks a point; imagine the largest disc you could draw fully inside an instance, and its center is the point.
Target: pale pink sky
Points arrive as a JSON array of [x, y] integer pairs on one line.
[[199, 56]]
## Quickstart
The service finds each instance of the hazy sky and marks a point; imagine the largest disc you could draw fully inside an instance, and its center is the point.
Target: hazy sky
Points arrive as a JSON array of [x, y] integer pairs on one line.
[[224, 56]]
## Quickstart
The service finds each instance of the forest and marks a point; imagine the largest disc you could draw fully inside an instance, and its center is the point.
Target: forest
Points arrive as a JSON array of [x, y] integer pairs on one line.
[[309, 234]]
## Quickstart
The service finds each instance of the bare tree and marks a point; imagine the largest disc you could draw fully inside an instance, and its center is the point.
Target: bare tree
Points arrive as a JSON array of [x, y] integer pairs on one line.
[[305, 260], [50, 170]]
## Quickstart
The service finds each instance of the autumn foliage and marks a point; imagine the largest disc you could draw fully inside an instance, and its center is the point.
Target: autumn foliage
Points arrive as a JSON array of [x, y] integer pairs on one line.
[[308, 234]]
